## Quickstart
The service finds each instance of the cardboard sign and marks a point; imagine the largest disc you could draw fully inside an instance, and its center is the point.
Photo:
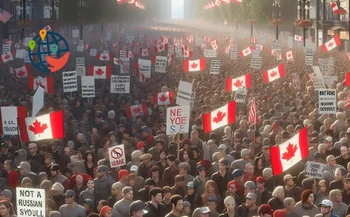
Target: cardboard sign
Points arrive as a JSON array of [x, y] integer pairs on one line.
[[256, 62], [9, 120], [70, 81], [81, 70], [314, 169], [309, 56], [30, 202], [75, 33], [6, 48], [122, 54], [215, 67], [161, 63], [117, 156], [171, 49], [80, 61], [209, 53], [327, 79], [327, 103], [87, 86], [120, 84], [184, 93], [241, 95], [178, 119], [145, 67], [234, 52], [93, 52], [295, 80]]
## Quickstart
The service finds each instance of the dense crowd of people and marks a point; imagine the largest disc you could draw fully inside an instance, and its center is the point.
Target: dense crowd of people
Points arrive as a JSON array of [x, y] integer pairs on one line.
[[224, 173]]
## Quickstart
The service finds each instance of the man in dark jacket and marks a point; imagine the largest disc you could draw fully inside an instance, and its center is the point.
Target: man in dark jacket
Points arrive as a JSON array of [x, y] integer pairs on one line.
[[262, 194], [154, 207], [222, 177]]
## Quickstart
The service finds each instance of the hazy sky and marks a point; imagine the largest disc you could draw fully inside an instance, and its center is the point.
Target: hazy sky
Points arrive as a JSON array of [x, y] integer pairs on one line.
[[177, 9]]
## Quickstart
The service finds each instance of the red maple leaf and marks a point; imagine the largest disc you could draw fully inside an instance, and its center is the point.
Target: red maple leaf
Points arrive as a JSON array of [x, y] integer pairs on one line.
[[6, 57], [194, 65], [40, 84], [99, 72], [246, 51], [330, 44], [160, 47], [37, 127], [163, 98], [290, 153], [104, 57], [136, 110], [289, 55], [219, 116], [238, 83], [21, 73], [273, 73]]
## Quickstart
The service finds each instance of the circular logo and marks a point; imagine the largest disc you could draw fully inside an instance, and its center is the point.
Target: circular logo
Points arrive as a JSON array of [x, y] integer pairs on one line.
[[48, 52], [117, 153]]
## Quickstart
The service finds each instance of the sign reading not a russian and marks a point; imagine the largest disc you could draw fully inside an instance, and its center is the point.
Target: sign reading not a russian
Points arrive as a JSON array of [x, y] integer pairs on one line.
[[31, 202]]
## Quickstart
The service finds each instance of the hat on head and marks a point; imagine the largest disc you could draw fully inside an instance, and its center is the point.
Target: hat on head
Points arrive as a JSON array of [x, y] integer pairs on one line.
[[204, 210], [55, 167], [200, 168], [190, 184], [212, 199], [222, 147], [4, 145], [250, 185], [186, 203], [287, 177], [223, 161], [314, 140], [134, 168], [137, 206], [102, 168], [326, 202], [104, 210], [7, 193], [122, 173], [69, 193], [145, 156], [24, 165], [328, 139], [237, 173], [244, 152], [265, 209], [260, 179], [251, 196], [89, 202], [140, 145], [144, 128]]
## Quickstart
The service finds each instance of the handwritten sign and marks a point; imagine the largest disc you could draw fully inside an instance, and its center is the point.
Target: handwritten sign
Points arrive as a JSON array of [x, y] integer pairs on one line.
[[178, 120], [117, 156], [70, 81], [120, 84], [314, 169], [327, 101], [87, 86], [31, 202]]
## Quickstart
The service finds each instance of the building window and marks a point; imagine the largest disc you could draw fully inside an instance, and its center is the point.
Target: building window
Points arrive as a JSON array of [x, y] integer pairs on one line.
[[344, 35]]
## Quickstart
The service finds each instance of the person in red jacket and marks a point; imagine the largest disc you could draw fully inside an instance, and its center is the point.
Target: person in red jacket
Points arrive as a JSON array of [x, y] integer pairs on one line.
[[13, 178]]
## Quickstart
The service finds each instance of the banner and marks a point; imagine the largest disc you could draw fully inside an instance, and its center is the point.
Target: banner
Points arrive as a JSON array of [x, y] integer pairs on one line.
[[161, 63], [184, 93], [30, 202], [178, 120], [70, 81], [327, 101], [215, 67], [120, 84], [145, 67], [87, 86], [117, 156]]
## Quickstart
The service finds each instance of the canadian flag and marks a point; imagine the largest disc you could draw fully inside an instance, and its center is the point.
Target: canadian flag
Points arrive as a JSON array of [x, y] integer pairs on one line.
[[239, 2], [49, 126], [225, 2], [163, 98], [333, 43], [130, 55], [298, 38], [160, 47], [347, 79], [116, 61], [289, 56], [186, 52], [220, 117], [289, 153], [4, 58], [104, 56], [246, 51], [133, 111], [273, 52], [347, 56], [21, 72], [228, 49], [334, 7], [232, 84], [274, 74], [144, 52], [141, 76], [46, 83], [194, 65], [100, 72], [214, 44]]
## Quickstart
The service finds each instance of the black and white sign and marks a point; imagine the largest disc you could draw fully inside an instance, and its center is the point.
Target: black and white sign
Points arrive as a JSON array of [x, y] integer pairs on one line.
[[93, 52], [178, 52], [276, 44], [210, 53], [80, 47], [309, 56], [241, 94], [295, 80], [161, 64], [120, 84], [70, 81], [31, 202], [323, 64], [234, 52], [171, 49], [117, 156], [145, 67], [215, 67], [184, 93], [317, 78], [6, 48], [327, 103], [80, 61], [9, 118], [314, 169], [80, 66], [122, 54], [256, 60], [87, 86], [26, 57]]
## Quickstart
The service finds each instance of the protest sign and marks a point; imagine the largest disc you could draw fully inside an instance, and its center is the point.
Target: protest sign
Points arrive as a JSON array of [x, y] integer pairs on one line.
[[210, 53], [9, 117], [309, 56], [87, 86], [314, 169], [184, 93], [327, 103], [117, 156], [178, 119], [215, 67], [120, 84], [241, 94], [161, 63], [70, 81], [145, 67], [234, 52], [31, 202]]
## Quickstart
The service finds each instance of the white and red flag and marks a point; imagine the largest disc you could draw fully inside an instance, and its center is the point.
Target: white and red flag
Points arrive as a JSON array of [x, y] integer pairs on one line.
[[239, 2], [163, 98], [144, 52], [333, 43], [100, 72], [334, 7], [274, 74], [21, 72], [194, 65], [289, 153], [233, 84], [298, 38], [48, 126], [104, 56], [116, 61], [4, 58], [141, 76], [347, 55], [220, 117], [228, 49], [246, 51], [253, 118], [225, 2], [289, 56], [214, 44], [135, 110], [48, 28], [46, 83]]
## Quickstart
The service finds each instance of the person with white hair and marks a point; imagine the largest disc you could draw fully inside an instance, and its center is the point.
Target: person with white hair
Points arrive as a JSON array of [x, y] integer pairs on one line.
[[230, 205], [111, 120], [276, 202], [25, 171]]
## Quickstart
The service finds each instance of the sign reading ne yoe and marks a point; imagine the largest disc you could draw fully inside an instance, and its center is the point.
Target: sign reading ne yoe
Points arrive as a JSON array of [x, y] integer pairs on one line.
[[178, 120], [31, 202]]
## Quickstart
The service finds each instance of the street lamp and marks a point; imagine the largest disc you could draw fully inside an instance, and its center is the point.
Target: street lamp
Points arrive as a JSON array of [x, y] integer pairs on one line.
[[276, 14], [304, 15], [251, 21], [82, 4], [53, 11]]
